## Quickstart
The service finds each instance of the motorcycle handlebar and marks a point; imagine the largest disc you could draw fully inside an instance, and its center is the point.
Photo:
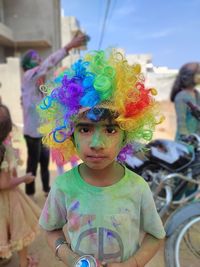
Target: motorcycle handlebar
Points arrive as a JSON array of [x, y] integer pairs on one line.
[[190, 138]]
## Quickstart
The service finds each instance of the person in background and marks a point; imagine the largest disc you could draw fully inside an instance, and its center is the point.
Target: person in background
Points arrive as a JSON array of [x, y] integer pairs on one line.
[[19, 214], [185, 95], [104, 207], [34, 74]]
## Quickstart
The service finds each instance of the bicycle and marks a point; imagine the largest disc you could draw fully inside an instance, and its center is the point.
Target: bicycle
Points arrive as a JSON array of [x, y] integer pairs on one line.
[[182, 247]]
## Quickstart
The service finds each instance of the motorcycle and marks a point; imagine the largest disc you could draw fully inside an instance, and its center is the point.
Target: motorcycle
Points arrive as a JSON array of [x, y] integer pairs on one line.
[[172, 170]]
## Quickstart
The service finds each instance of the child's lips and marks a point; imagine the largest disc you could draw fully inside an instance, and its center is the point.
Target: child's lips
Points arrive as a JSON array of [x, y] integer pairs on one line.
[[96, 157]]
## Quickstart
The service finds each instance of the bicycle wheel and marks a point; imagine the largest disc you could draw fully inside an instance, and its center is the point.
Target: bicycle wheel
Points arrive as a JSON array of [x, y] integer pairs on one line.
[[182, 248]]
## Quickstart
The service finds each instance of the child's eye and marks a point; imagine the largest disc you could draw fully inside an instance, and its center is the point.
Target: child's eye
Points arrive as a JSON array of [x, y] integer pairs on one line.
[[84, 130], [111, 130]]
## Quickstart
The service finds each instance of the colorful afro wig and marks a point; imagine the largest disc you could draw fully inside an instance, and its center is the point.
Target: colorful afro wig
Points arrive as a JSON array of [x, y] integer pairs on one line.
[[99, 79]]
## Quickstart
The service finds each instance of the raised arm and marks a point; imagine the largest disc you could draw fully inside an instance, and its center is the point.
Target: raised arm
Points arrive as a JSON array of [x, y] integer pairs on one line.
[[55, 58]]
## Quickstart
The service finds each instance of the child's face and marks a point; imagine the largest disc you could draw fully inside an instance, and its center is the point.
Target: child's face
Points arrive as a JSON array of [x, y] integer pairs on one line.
[[35, 59], [98, 143]]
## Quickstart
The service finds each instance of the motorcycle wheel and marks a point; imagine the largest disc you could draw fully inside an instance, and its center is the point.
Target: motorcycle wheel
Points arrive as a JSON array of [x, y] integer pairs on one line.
[[182, 248]]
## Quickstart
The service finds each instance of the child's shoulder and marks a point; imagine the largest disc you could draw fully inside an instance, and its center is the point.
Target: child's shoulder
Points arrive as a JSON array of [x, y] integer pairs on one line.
[[135, 179], [66, 178], [183, 95]]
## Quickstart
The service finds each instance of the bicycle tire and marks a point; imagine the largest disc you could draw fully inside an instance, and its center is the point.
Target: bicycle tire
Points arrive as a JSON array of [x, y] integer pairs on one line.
[[172, 244]]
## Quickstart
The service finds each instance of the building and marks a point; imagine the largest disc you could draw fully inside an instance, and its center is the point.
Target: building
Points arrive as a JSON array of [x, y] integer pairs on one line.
[[70, 26], [142, 59], [161, 78], [26, 24]]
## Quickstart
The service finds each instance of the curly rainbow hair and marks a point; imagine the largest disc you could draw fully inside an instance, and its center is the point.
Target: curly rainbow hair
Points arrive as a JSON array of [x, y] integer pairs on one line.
[[100, 79]]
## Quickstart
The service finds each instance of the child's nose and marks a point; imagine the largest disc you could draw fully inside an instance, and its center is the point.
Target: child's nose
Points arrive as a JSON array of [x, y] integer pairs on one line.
[[97, 141]]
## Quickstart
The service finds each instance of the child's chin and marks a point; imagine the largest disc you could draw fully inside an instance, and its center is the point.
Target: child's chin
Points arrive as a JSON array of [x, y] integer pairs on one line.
[[97, 165]]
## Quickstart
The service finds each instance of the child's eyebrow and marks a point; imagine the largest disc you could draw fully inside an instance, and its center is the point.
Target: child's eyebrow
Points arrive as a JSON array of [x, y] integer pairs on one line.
[[84, 124]]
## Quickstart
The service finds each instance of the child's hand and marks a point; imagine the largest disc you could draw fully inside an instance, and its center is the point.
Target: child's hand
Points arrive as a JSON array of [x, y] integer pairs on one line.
[[28, 178], [78, 40]]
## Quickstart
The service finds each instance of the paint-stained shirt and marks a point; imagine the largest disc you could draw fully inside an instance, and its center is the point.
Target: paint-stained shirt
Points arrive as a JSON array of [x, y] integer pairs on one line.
[[103, 221], [31, 94]]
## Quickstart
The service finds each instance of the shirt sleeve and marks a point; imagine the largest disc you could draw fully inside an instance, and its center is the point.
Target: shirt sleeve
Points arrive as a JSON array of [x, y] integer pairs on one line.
[[46, 65], [150, 219], [54, 213]]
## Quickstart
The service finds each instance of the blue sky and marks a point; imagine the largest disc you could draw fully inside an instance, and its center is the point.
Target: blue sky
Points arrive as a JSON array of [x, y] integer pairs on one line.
[[167, 29]]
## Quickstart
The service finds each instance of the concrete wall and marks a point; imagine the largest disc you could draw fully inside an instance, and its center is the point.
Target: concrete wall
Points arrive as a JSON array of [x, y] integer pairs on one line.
[[1, 11], [10, 88], [2, 58], [33, 20], [142, 59], [162, 82]]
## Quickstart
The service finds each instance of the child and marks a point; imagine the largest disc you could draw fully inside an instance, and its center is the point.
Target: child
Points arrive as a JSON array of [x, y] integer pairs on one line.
[[19, 215], [100, 106], [184, 91]]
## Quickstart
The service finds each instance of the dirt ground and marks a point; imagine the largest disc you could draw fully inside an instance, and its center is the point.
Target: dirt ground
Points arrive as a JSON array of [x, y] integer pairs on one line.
[[39, 246]]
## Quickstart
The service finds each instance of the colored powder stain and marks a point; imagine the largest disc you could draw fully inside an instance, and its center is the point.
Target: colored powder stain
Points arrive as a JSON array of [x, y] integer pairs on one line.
[[115, 223], [74, 222], [109, 234], [75, 206], [75, 219]]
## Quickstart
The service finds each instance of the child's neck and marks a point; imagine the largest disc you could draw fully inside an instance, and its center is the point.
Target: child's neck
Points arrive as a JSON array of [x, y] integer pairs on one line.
[[104, 177]]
